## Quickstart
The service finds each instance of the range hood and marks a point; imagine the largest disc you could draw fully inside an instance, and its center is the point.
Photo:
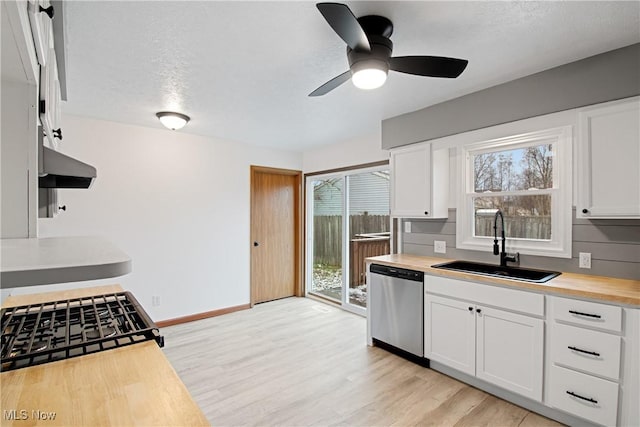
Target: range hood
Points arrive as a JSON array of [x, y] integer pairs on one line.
[[60, 171]]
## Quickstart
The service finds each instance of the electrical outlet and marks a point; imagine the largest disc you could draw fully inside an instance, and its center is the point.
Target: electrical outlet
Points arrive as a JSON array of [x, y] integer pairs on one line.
[[585, 259], [407, 227], [155, 301], [440, 246]]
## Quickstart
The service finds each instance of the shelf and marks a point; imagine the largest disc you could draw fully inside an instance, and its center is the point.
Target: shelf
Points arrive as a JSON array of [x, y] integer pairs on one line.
[[28, 262]]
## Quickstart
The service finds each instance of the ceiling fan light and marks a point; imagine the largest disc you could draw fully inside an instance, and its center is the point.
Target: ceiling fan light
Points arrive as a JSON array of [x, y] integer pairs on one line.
[[369, 73], [369, 78], [171, 120]]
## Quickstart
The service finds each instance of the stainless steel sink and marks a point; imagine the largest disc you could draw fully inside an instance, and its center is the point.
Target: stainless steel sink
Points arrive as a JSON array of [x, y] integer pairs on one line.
[[514, 273]]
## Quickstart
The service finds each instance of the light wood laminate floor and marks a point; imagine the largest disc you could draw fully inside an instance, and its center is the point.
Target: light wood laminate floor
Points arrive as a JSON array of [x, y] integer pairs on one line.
[[299, 362]]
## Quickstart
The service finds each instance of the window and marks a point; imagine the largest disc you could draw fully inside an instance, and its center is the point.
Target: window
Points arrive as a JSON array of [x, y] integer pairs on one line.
[[527, 177]]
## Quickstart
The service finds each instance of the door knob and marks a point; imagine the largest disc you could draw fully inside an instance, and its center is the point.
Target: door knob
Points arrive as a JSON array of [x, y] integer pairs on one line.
[[256, 244]]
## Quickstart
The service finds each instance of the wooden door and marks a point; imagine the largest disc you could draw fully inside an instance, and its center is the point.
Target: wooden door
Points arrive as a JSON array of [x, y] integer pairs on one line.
[[275, 234]]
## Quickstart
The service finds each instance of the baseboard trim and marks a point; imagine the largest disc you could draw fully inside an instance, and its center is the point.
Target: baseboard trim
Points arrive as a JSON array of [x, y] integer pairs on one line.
[[200, 316]]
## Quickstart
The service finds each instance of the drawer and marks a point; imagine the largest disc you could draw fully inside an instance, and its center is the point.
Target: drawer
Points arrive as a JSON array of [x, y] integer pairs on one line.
[[584, 313], [583, 395], [591, 351], [495, 296]]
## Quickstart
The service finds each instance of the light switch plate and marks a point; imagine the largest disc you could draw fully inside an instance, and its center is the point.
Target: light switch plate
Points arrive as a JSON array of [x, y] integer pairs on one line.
[[584, 260], [407, 227], [440, 246]]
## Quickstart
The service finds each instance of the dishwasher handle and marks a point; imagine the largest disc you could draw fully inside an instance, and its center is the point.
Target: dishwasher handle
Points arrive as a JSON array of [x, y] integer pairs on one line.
[[401, 273]]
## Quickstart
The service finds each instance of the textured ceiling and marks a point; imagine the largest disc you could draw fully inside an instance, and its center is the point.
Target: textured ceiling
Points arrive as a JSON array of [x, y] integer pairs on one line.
[[243, 70]]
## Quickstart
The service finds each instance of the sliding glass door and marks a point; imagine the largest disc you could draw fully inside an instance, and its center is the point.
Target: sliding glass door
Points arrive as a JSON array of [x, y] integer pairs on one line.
[[347, 221]]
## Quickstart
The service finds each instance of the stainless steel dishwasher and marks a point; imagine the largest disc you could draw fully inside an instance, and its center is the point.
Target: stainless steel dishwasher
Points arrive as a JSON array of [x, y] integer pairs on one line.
[[397, 308]]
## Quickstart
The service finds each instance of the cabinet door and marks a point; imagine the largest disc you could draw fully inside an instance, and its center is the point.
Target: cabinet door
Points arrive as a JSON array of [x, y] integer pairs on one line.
[[41, 30], [410, 177], [608, 158], [450, 332], [50, 97], [510, 351]]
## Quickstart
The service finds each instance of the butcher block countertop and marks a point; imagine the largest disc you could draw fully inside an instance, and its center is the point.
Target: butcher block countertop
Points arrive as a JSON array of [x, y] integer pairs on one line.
[[126, 386], [605, 289]]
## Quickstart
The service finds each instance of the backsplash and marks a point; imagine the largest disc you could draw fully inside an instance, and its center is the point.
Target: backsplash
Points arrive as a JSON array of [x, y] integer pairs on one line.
[[614, 246]]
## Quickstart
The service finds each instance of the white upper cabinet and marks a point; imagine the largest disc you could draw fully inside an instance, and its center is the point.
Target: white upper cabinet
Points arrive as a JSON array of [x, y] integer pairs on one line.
[[608, 156], [40, 15], [50, 99], [420, 182]]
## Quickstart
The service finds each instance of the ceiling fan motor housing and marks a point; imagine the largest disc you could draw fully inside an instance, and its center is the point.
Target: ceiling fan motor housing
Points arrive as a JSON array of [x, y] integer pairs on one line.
[[381, 49]]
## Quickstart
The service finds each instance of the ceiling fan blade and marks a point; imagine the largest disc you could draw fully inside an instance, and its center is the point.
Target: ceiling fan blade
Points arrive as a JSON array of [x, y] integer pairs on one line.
[[346, 25], [332, 84], [431, 66]]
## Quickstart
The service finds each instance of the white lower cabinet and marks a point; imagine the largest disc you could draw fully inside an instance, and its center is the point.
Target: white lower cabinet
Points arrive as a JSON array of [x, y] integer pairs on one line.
[[586, 396], [584, 355], [497, 346], [450, 332], [510, 350], [586, 352]]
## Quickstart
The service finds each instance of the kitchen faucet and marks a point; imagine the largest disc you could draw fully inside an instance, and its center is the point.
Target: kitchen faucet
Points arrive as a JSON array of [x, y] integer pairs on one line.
[[504, 256]]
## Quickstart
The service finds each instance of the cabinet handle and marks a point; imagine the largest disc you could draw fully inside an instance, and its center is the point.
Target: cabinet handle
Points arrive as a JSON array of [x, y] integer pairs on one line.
[[588, 399], [585, 211], [49, 11], [593, 353], [478, 310], [470, 308], [57, 133], [578, 313], [426, 212], [62, 208]]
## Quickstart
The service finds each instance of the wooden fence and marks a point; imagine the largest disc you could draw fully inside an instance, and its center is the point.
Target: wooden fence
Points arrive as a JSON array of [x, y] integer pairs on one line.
[[327, 234], [361, 248], [530, 227]]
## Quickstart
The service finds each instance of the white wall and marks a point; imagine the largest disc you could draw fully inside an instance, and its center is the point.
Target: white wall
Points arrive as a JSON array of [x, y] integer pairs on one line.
[[177, 204], [357, 151]]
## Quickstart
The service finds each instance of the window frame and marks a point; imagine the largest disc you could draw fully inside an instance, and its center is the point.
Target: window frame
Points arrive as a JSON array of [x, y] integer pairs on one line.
[[561, 139]]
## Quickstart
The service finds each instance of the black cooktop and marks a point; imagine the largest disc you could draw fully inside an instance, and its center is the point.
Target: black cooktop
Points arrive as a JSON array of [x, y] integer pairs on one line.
[[40, 333]]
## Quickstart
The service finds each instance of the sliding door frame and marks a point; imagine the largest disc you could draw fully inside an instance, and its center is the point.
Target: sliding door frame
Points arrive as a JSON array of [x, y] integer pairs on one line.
[[342, 174]]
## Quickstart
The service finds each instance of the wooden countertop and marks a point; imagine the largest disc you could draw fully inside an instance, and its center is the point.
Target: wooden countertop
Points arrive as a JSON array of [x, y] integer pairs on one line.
[[127, 386], [605, 289]]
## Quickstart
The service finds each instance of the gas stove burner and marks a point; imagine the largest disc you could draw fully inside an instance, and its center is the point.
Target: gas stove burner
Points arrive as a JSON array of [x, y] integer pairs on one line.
[[107, 331], [36, 334], [36, 346]]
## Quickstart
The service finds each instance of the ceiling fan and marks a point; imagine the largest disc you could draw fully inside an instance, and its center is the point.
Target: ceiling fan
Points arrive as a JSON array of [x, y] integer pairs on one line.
[[369, 51]]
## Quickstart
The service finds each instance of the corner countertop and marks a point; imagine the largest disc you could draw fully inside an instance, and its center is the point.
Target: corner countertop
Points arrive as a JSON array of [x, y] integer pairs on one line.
[[40, 261], [132, 385], [605, 289]]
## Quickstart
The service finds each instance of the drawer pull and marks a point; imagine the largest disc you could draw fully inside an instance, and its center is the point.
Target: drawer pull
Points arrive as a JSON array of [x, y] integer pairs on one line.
[[597, 316], [588, 399], [593, 353]]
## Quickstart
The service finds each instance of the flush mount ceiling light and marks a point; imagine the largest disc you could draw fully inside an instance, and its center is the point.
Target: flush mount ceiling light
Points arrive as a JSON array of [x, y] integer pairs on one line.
[[171, 120]]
